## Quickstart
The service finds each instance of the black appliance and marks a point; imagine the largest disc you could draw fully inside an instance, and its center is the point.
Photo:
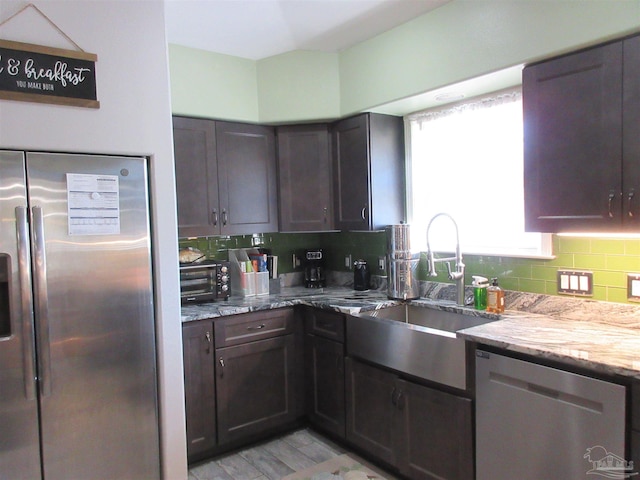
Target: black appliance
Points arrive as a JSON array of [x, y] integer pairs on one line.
[[361, 275], [314, 269], [204, 282]]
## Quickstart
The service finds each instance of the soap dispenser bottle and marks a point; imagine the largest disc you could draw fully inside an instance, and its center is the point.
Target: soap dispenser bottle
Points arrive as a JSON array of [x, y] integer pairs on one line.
[[495, 297], [479, 285]]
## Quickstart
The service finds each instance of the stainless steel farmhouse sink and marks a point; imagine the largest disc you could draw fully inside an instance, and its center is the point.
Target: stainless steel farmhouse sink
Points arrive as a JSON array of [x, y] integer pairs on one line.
[[415, 340]]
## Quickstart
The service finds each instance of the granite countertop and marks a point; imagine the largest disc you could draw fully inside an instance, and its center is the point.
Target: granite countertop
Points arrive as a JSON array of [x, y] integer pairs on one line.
[[599, 336], [339, 299]]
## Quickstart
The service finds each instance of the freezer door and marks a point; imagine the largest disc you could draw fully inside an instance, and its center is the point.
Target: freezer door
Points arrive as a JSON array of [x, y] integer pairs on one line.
[[94, 315], [19, 444]]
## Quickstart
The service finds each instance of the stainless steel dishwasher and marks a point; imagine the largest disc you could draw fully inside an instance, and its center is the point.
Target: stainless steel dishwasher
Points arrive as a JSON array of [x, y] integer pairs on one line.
[[537, 422]]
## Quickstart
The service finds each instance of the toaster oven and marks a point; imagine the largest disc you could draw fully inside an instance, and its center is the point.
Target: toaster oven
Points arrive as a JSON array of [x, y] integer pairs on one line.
[[204, 282]]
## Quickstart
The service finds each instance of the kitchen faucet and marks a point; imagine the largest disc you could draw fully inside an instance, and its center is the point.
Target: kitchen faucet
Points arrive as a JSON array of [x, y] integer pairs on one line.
[[458, 275]]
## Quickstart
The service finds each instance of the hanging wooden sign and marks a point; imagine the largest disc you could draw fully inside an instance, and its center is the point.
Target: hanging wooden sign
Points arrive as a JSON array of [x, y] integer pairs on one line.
[[36, 73]]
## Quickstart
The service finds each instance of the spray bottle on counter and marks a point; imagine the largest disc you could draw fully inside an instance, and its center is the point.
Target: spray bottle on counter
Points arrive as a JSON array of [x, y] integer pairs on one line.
[[479, 285], [495, 297]]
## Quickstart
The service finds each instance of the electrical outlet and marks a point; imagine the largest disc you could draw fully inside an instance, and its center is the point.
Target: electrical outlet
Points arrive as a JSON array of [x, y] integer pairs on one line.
[[382, 264], [633, 287], [572, 282], [295, 261], [347, 261]]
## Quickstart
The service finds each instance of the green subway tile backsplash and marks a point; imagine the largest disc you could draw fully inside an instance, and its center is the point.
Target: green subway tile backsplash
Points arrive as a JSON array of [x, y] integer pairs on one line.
[[617, 294], [603, 246], [573, 245], [589, 262], [611, 279], [531, 285], [609, 259], [632, 247], [624, 263]]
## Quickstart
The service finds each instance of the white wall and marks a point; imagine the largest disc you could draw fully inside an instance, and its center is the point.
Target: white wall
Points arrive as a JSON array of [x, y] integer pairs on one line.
[[134, 118]]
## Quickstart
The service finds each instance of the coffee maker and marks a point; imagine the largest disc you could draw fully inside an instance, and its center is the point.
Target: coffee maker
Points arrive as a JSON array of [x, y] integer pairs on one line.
[[314, 269]]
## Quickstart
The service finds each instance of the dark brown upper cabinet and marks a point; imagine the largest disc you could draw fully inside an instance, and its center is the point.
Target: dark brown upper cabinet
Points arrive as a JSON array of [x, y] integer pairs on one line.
[[225, 177], [582, 140], [304, 174], [368, 172], [194, 145], [247, 178]]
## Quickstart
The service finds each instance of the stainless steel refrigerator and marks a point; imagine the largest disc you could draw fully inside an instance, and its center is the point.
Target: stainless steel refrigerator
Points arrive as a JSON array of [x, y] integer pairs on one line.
[[78, 395]]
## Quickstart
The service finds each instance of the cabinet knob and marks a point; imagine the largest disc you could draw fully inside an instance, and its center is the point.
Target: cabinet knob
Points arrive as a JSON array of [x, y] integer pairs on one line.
[[224, 217], [630, 199], [256, 327], [207, 337], [221, 361], [363, 213], [214, 216]]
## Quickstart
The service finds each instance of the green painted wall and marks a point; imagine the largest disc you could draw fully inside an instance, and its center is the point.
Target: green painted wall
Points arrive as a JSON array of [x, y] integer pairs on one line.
[[294, 85], [458, 41], [211, 85], [465, 39]]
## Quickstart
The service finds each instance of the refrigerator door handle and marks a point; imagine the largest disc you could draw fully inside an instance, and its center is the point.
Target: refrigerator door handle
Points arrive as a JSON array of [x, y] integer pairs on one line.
[[41, 301], [24, 275]]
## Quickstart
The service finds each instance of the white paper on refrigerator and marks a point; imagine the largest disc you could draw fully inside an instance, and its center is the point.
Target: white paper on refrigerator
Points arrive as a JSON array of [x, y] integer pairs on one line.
[[93, 204]]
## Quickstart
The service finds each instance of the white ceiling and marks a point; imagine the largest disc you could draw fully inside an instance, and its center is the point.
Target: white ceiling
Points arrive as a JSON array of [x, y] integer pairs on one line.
[[256, 29]]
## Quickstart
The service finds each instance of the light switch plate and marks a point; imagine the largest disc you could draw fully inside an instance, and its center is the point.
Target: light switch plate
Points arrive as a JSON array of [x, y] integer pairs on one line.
[[575, 282], [633, 287]]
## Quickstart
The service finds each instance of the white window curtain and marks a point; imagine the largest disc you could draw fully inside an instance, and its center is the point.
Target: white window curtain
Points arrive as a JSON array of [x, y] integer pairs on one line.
[[467, 160]]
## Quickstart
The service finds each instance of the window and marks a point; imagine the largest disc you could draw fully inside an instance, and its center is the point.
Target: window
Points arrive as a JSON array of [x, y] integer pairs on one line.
[[466, 160]]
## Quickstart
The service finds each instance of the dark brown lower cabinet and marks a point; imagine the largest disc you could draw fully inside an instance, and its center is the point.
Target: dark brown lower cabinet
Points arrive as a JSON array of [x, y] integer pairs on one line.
[[437, 433], [324, 367], [425, 433], [371, 415], [199, 382], [257, 387]]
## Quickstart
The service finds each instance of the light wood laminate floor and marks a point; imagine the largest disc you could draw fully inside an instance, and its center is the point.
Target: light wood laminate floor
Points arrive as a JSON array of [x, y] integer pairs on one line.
[[272, 460]]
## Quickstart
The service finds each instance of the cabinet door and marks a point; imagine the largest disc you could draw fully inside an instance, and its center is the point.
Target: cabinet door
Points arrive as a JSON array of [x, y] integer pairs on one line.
[[199, 383], [324, 323], [247, 178], [304, 174], [256, 384], [194, 146], [631, 133], [435, 434], [573, 141], [324, 365], [350, 140], [387, 167], [371, 414]]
